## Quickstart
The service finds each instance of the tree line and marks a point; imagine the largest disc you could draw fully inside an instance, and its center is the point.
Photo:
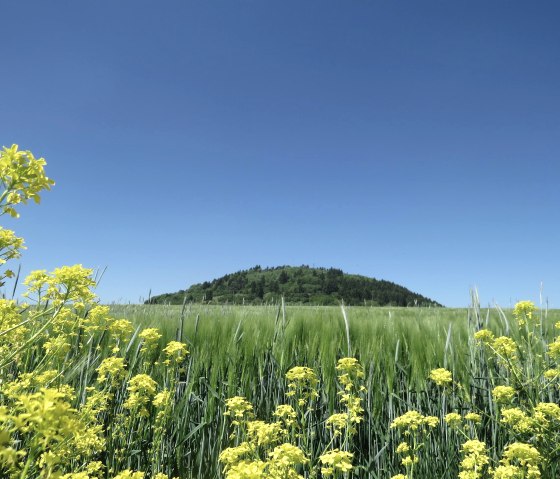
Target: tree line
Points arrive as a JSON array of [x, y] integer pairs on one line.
[[298, 285]]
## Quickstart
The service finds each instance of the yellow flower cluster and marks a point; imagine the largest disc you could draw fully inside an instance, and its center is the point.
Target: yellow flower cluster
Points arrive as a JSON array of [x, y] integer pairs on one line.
[[121, 329], [503, 394], [23, 177], [51, 428], [13, 331], [453, 419], [350, 377], [150, 338], [519, 461], [337, 422], [484, 336], [113, 368], [261, 454], [473, 417], [413, 421], [524, 313], [176, 352], [142, 388], [336, 461], [350, 372], [263, 433], [68, 284], [505, 347], [554, 349], [48, 430], [10, 248], [517, 420], [475, 459], [128, 474], [441, 376], [302, 384], [239, 409], [286, 414], [416, 429], [266, 449]]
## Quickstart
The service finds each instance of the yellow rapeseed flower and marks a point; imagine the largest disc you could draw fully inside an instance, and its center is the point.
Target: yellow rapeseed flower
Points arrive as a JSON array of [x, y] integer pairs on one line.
[[403, 448], [302, 384], [473, 417], [150, 339], [286, 413], [517, 419], [232, 455], [239, 409], [263, 433], [505, 347], [336, 461], [286, 455], [113, 367], [524, 312], [441, 376], [128, 474], [484, 336], [176, 351], [337, 422], [503, 394], [142, 389], [453, 419], [554, 349]]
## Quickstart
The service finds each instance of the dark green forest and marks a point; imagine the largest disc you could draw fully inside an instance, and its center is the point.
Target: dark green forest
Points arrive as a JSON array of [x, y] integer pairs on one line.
[[298, 285]]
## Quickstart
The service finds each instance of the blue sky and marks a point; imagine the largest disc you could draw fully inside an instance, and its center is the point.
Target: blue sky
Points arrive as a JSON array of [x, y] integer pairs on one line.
[[413, 141]]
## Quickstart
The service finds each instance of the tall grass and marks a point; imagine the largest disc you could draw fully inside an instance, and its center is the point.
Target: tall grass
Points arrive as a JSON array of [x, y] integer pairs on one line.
[[246, 350]]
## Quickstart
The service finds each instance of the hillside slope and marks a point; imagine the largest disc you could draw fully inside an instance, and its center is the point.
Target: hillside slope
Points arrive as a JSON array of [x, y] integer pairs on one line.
[[298, 284]]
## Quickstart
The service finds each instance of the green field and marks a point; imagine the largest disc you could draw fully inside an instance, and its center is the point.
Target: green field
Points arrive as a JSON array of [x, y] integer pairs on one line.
[[246, 350]]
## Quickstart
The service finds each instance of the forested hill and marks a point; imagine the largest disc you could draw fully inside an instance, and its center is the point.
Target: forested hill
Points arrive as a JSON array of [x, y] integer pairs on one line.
[[298, 284]]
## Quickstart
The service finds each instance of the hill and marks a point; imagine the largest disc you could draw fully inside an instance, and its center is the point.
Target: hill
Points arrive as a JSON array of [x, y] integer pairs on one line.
[[298, 284]]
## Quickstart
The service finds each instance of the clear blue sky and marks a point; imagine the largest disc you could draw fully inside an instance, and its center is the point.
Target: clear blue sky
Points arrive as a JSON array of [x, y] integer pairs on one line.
[[413, 141]]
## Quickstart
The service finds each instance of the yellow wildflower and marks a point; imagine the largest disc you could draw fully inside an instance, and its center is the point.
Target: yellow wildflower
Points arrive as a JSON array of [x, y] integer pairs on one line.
[[484, 336], [505, 347], [142, 389], [475, 458], [517, 419], [128, 474], [410, 420], [150, 338], [403, 448], [350, 370], [473, 417], [176, 351], [453, 419], [286, 413], [263, 433], [336, 461], [288, 455], [302, 384], [232, 455], [337, 422], [503, 394], [554, 349], [120, 329], [113, 367], [238, 408], [523, 312], [247, 470], [441, 376]]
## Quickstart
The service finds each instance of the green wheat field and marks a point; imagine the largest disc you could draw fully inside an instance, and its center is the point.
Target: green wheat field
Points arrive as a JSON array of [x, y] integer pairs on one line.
[[246, 351]]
